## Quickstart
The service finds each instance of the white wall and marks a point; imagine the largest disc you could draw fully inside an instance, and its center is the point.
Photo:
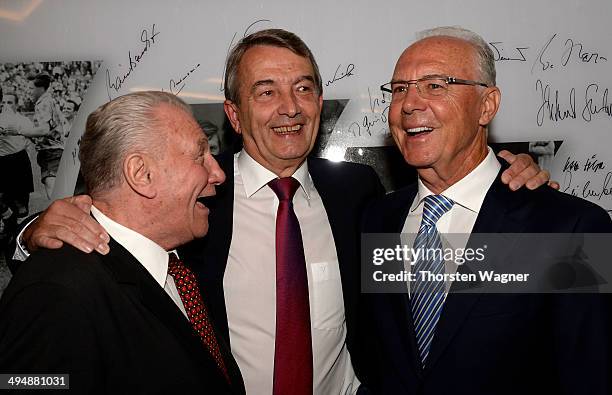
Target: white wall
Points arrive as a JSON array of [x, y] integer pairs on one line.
[[196, 35]]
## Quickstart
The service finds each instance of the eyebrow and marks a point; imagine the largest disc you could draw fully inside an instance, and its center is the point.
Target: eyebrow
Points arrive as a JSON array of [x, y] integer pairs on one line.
[[421, 78], [259, 83]]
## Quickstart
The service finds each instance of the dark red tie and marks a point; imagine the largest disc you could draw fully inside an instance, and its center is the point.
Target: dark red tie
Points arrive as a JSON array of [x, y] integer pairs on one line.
[[293, 343], [187, 286]]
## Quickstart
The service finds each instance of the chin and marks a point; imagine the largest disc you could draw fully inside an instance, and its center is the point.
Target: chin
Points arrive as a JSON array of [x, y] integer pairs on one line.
[[200, 231]]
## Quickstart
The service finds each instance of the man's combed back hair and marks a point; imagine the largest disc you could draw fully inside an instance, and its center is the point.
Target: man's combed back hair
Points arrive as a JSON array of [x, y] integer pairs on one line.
[[271, 37], [117, 128], [485, 57]]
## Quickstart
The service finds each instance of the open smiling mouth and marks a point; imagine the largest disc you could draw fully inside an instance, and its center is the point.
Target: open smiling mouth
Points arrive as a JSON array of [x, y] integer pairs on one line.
[[204, 201], [418, 131], [282, 130]]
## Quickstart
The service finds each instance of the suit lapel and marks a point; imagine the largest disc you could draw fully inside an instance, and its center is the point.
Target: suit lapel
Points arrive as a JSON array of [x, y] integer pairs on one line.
[[393, 222], [499, 213], [138, 282]]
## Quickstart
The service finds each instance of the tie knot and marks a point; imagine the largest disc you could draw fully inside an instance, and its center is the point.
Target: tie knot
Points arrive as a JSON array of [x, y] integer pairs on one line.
[[285, 187], [175, 265], [434, 207]]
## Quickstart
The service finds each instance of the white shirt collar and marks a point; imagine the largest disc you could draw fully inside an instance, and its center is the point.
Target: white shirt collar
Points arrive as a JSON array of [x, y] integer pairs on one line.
[[255, 176], [150, 255], [471, 190]]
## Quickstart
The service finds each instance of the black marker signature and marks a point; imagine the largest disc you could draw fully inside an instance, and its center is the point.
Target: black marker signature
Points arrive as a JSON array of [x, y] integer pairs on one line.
[[582, 55], [567, 184], [498, 57], [177, 86], [379, 107], [541, 59], [593, 164], [604, 190], [231, 44], [346, 73], [570, 165], [553, 110], [590, 108], [148, 39]]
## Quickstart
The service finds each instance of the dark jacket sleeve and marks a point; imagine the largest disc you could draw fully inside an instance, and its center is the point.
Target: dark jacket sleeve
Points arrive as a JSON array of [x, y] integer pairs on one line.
[[45, 328]]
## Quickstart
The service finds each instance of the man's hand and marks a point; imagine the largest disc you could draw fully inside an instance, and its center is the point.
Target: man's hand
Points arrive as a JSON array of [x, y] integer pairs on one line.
[[67, 221], [524, 171]]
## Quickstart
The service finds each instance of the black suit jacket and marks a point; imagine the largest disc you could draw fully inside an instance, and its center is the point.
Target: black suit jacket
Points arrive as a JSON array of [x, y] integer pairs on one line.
[[494, 343], [106, 322], [345, 189]]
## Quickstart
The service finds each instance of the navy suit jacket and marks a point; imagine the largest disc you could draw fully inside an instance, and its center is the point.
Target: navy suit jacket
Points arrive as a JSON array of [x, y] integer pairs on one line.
[[105, 321], [345, 189], [493, 343]]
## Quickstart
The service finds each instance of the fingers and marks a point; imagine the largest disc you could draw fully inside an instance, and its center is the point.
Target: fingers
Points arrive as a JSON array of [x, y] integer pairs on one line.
[[507, 156], [554, 185], [83, 202], [538, 180], [55, 236], [67, 221], [47, 242], [523, 171]]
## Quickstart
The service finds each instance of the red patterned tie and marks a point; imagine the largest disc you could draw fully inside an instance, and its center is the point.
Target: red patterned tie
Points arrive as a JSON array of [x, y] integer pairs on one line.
[[293, 343], [187, 286]]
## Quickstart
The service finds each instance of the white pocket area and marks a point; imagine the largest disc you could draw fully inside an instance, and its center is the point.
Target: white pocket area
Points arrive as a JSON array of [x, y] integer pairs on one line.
[[326, 302]]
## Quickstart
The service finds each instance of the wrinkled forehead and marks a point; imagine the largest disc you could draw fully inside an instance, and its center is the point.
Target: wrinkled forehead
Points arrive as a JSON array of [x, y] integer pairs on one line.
[[260, 60], [437, 55]]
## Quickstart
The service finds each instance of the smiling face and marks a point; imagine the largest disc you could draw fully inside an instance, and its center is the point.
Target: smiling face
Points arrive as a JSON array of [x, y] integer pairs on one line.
[[443, 138], [279, 110], [189, 172]]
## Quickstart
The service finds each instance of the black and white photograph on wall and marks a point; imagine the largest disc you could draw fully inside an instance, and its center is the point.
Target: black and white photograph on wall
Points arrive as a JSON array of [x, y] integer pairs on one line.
[[39, 101], [212, 120]]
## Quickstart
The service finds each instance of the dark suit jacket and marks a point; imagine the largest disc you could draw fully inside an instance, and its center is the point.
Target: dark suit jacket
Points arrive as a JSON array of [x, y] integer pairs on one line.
[[494, 343], [345, 189], [106, 322]]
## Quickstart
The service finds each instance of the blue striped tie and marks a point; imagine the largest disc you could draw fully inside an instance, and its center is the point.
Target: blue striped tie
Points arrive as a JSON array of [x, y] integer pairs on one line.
[[427, 297]]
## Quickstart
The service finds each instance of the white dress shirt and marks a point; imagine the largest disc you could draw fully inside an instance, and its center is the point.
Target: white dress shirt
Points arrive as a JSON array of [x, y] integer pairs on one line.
[[148, 253], [250, 282], [468, 195]]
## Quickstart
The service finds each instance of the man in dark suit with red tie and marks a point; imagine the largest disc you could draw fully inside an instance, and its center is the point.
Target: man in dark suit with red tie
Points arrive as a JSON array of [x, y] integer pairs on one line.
[[430, 339], [134, 320]]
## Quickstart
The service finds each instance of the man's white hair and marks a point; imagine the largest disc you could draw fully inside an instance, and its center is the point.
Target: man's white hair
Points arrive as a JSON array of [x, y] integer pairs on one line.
[[485, 58]]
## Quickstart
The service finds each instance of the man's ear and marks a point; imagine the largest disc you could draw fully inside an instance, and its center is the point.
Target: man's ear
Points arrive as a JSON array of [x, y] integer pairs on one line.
[[231, 110], [490, 104], [139, 171]]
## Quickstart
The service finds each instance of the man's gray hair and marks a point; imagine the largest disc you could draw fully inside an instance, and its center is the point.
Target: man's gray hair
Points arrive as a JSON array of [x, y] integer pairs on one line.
[[122, 126], [485, 58], [270, 37]]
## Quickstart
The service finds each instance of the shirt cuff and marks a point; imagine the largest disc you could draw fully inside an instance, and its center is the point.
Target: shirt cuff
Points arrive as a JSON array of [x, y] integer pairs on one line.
[[21, 252]]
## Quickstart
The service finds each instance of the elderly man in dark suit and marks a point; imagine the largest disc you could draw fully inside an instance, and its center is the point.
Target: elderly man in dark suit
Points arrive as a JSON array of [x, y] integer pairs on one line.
[[430, 340], [132, 321], [280, 271]]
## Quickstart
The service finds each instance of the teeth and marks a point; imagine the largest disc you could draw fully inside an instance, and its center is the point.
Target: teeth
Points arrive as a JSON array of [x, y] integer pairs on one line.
[[419, 129], [287, 129]]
